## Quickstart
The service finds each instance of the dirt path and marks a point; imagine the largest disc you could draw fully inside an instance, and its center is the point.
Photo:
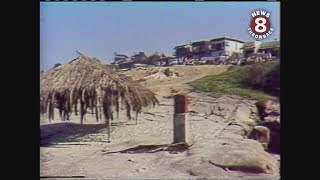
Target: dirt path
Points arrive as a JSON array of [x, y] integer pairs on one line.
[[167, 85]]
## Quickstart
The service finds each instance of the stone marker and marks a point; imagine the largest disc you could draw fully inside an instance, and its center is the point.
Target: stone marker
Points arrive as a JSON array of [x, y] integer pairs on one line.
[[179, 121]]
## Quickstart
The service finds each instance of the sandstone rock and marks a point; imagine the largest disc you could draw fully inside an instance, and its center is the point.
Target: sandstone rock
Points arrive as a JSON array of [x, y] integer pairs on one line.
[[172, 90], [142, 170], [274, 127], [267, 133], [269, 112], [205, 169], [271, 118], [246, 117], [262, 135], [235, 131], [246, 155], [243, 113], [267, 108]]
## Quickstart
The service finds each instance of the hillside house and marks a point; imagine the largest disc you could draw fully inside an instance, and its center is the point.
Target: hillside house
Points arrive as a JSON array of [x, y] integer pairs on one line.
[[138, 57], [165, 60], [223, 47], [200, 49], [272, 47], [250, 48], [183, 51], [215, 49], [119, 58], [258, 47]]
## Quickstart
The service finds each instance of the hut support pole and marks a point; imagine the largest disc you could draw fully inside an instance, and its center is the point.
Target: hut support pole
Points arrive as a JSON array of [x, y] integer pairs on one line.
[[76, 109], [109, 129], [50, 111], [128, 109], [107, 119], [136, 117], [82, 113], [100, 115], [117, 105], [107, 111], [96, 113]]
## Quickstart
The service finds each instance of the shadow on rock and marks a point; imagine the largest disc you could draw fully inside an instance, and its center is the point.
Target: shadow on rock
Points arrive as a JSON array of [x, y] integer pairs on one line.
[[268, 130], [171, 148]]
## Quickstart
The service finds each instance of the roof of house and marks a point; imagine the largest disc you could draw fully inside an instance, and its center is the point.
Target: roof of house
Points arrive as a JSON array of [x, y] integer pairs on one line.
[[121, 55], [127, 62], [165, 58], [199, 42], [120, 61], [263, 45], [181, 46], [248, 47], [227, 38], [271, 44]]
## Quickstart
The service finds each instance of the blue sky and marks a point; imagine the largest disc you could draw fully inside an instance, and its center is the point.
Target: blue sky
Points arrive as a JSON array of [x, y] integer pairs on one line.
[[98, 29]]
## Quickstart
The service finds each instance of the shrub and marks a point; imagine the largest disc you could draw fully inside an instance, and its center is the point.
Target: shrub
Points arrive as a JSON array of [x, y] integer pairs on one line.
[[264, 77]]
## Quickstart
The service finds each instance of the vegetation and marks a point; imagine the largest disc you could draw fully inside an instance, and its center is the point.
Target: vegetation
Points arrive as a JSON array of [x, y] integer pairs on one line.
[[258, 81], [153, 59], [56, 65]]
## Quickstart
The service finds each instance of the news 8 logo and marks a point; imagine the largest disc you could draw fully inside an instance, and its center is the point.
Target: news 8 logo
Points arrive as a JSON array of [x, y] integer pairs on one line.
[[260, 26]]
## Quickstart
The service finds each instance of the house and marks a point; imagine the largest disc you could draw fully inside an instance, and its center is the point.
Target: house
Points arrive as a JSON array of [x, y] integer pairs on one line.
[[223, 47], [165, 60], [218, 48], [200, 49], [258, 47], [272, 47], [183, 51], [139, 57], [127, 64], [139, 65], [119, 58], [124, 62], [250, 48]]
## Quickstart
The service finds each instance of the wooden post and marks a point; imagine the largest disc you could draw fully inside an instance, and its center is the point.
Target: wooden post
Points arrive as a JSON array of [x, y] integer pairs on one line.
[[109, 130], [82, 113], [96, 113], [179, 122], [108, 111], [136, 117]]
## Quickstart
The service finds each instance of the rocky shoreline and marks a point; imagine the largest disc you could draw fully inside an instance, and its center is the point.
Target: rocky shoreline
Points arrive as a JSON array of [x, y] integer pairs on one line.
[[219, 131]]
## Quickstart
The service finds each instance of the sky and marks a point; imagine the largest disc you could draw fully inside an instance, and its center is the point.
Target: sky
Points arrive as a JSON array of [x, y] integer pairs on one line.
[[98, 29]]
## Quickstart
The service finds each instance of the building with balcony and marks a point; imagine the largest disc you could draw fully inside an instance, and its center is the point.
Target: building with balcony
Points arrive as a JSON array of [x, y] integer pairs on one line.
[[218, 48], [183, 51], [258, 47], [200, 49], [250, 48], [272, 47], [224, 47]]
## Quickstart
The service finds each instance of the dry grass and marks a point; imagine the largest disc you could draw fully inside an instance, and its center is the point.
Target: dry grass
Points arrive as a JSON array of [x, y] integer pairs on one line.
[[245, 81], [87, 83]]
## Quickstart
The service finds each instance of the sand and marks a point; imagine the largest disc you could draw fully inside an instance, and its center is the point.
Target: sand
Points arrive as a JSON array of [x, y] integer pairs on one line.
[[71, 149]]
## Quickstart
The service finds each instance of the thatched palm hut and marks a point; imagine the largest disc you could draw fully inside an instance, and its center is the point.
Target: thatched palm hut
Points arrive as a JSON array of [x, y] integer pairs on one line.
[[87, 84]]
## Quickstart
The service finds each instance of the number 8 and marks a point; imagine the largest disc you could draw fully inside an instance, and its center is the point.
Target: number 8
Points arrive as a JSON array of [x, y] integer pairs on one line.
[[264, 28]]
